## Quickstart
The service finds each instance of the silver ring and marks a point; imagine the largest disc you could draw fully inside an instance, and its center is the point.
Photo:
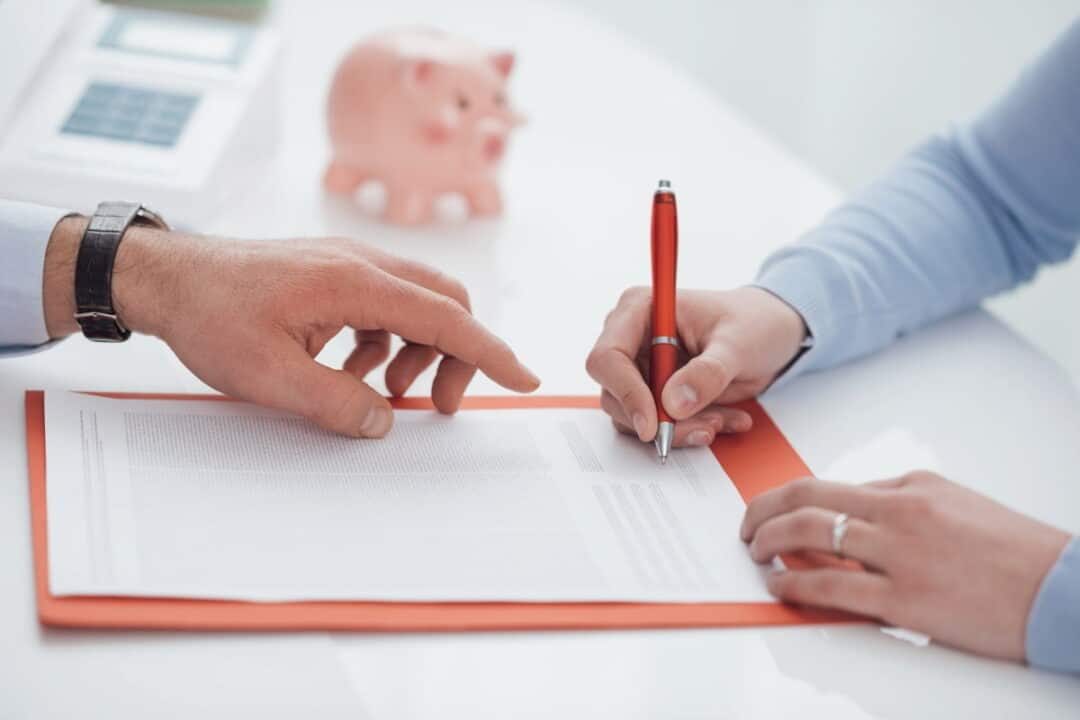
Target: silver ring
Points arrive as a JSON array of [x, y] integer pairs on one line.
[[839, 530], [665, 340]]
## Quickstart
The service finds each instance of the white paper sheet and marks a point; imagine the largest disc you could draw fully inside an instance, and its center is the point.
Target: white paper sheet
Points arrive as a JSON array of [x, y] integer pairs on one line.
[[224, 500]]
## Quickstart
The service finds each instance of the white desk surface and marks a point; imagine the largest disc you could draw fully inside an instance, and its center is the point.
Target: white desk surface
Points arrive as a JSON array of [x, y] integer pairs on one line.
[[966, 397]]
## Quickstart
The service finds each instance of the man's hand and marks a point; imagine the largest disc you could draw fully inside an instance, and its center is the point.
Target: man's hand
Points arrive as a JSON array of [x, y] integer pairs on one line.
[[733, 344], [248, 318], [940, 559]]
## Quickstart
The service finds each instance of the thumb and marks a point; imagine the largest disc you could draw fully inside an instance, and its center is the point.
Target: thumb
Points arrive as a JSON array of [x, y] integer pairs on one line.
[[334, 399], [700, 382]]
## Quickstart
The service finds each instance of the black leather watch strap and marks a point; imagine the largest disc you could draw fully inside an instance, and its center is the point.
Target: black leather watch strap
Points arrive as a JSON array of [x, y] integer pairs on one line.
[[94, 267]]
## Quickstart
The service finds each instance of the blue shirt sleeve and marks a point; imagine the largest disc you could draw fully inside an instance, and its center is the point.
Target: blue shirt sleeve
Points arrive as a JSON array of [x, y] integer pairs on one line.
[[1053, 628], [966, 215], [24, 235]]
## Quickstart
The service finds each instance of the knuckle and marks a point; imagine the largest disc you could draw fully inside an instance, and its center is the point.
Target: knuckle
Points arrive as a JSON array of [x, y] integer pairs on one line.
[[439, 310], [454, 321], [594, 363], [473, 345], [821, 587], [759, 505], [759, 546], [383, 292], [614, 315], [459, 292], [784, 585], [917, 505], [634, 295], [798, 492], [802, 523], [608, 403], [909, 507], [921, 477], [318, 268], [624, 429], [344, 276], [449, 308], [626, 397], [342, 267], [444, 284], [336, 241], [714, 367], [339, 414]]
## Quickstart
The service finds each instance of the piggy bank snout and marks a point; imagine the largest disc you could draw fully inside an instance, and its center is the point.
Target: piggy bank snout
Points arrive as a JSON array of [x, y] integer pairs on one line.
[[493, 147], [493, 134]]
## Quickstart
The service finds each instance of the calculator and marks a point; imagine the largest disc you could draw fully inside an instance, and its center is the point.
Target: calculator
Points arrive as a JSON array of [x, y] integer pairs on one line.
[[170, 109]]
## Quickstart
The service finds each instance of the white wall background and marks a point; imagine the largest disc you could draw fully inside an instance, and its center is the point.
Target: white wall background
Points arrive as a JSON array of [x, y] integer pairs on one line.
[[849, 85]]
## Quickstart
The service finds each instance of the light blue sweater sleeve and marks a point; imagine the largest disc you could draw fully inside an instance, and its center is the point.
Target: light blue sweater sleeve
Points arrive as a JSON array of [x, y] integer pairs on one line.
[[966, 215]]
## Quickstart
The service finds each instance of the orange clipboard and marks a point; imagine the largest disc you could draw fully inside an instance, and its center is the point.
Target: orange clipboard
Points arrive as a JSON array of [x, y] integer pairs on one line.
[[756, 461]]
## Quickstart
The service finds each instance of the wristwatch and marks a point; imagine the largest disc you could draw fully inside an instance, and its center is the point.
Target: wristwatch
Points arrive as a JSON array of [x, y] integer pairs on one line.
[[94, 309]]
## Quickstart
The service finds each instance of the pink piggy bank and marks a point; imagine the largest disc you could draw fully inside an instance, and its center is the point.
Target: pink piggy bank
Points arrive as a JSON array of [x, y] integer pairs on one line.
[[425, 113]]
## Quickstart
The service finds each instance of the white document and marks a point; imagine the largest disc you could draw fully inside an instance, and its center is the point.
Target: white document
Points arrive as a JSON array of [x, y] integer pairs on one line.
[[211, 499]]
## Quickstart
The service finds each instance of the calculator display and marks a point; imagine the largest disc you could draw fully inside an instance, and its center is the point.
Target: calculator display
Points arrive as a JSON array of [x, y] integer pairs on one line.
[[186, 38]]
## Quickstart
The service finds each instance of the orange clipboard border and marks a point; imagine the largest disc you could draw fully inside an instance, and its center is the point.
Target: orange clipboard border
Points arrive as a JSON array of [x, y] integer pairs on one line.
[[756, 461]]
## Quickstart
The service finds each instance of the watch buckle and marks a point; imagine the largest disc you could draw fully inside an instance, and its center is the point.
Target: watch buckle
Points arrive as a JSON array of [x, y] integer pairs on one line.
[[98, 315]]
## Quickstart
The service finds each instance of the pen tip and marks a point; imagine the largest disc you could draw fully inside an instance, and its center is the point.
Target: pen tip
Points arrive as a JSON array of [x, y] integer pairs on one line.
[[665, 184], [664, 436]]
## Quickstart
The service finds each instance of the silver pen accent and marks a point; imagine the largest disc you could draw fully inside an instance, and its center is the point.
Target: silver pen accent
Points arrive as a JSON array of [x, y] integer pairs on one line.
[[664, 435]]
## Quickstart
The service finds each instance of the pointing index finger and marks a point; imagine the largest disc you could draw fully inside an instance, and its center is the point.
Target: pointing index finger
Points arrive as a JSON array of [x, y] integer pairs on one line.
[[428, 318]]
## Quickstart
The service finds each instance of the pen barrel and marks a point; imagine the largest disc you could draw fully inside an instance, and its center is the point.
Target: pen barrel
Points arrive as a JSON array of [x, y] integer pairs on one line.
[[665, 252], [663, 358]]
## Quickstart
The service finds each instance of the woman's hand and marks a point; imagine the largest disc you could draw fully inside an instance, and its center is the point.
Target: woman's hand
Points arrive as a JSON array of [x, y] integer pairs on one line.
[[733, 344], [939, 558]]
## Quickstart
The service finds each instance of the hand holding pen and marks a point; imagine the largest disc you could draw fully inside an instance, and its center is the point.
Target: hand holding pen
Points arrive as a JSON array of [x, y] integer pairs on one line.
[[731, 346]]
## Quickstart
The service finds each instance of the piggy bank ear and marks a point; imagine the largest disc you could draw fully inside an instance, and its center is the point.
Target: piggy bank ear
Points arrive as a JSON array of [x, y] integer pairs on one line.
[[503, 62]]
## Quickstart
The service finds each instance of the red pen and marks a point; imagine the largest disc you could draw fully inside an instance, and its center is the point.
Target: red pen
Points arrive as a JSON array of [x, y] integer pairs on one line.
[[664, 352]]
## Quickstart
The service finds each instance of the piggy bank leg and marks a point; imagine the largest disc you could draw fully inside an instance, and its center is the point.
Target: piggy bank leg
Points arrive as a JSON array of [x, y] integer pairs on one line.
[[342, 179], [408, 206], [484, 199]]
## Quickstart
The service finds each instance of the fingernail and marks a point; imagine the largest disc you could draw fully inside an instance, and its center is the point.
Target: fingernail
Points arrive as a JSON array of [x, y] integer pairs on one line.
[[640, 425], [699, 437], [377, 422], [685, 397], [533, 376]]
